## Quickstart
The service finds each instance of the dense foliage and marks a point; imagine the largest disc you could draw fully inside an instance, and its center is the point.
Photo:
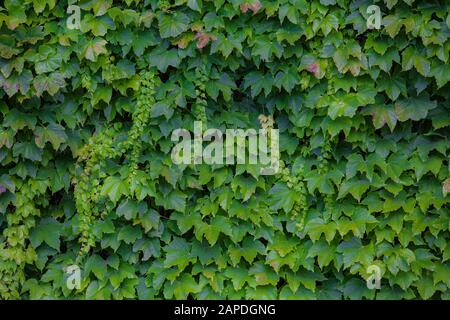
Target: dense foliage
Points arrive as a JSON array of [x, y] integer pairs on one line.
[[86, 176]]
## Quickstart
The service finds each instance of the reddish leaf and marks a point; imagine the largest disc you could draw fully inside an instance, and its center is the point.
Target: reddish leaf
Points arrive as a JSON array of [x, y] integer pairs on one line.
[[314, 69], [244, 7], [255, 6], [202, 39]]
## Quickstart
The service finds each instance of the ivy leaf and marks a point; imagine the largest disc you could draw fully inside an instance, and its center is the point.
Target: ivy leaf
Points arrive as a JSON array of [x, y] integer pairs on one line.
[[414, 108], [129, 234], [282, 245], [175, 200], [128, 209], [356, 187], [258, 81], [393, 86], [8, 46], [97, 266], [126, 271], [248, 250], [49, 231], [162, 108], [382, 115], [101, 94], [340, 59], [262, 293], [422, 65], [172, 25], [343, 106], [288, 11], [356, 289], [94, 48], [7, 183], [101, 7], [354, 252], [442, 274], [307, 278], [53, 133], [287, 78], [114, 187], [446, 187], [51, 83], [163, 58], [319, 182], [195, 5], [392, 24], [177, 253], [263, 275], [238, 276], [17, 120], [17, 83], [330, 22], [425, 287], [27, 150], [39, 6], [97, 25], [315, 227], [323, 251], [282, 197], [441, 72]]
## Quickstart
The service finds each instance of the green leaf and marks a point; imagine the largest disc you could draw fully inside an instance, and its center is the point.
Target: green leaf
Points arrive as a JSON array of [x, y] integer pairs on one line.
[[382, 115], [282, 245], [163, 58], [441, 72], [442, 274], [288, 78], [414, 108], [392, 24], [162, 108], [172, 25], [101, 94], [356, 187], [27, 150], [94, 48], [176, 200], [195, 5], [343, 106], [356, 289], [53, 133], [18, 120], [282, 197], [128, 209], [51, 83], [97, 266], [324, 252], [315, 227], [129, 234], [354, 252], [425, 287], [114, 187], [248, 250], [177, 253], [306, 278], [238, 276], [49, 231]]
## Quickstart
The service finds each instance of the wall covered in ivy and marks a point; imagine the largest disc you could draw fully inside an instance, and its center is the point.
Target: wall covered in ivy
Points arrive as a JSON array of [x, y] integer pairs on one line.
[[91, 92]]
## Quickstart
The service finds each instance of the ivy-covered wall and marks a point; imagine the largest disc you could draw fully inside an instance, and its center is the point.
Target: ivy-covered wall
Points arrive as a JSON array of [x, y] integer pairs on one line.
[[92, 90]]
